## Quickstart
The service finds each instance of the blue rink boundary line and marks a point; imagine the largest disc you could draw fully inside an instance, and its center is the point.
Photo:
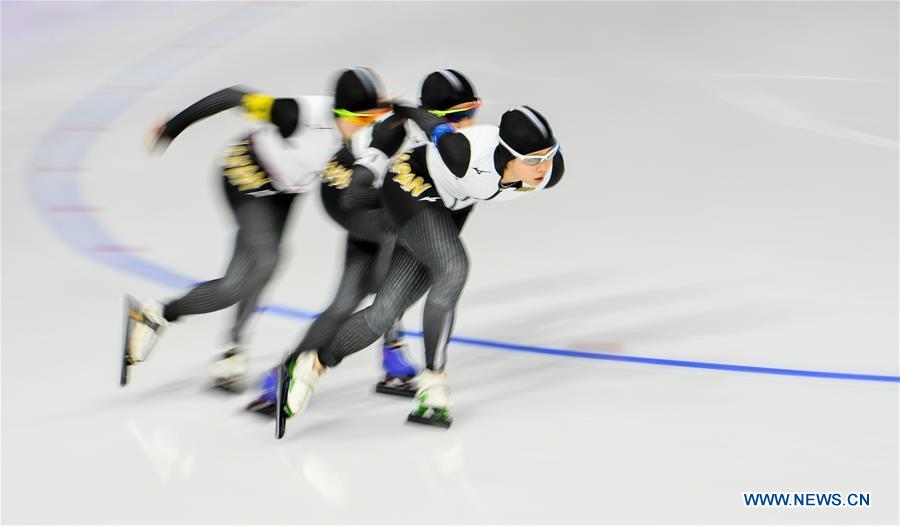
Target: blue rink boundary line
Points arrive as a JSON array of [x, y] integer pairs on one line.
[[54, 185], [299, 314]]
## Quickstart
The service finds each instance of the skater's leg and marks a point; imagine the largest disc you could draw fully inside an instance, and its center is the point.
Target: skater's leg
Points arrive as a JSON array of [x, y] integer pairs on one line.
[[253, 262], [245, 309], [359, 259], [398, 371], [228, 369], [366, 232], [379, 274], [433, 238], [247, 305], [382, 262], [353, 287], [217, 294], [152, 318], [262, 236], [374, 225], [406, 281], [395, 333]]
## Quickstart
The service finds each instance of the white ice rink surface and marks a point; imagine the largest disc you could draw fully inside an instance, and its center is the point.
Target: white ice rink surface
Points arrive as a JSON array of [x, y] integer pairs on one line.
[[731, 197]]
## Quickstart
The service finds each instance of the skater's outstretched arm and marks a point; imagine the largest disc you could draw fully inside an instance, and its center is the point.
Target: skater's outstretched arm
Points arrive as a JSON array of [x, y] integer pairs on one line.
[[283, 113]]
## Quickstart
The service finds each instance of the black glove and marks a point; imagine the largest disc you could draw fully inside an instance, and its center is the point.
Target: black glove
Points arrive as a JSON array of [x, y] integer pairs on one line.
[[388, 135], [424, 120]]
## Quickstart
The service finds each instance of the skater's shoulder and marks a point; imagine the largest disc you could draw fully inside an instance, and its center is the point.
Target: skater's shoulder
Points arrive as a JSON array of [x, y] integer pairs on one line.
[[485, 135], [483, 139]]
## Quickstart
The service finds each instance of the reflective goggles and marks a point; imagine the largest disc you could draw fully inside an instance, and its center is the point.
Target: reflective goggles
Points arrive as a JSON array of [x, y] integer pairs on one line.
[[465, 111], [367, 117], [531, 160]]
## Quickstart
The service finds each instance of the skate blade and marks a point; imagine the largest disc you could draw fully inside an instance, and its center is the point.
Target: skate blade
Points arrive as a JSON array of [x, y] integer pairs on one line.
[[385, 388], [281, 401], [131, 306], [430, 420]]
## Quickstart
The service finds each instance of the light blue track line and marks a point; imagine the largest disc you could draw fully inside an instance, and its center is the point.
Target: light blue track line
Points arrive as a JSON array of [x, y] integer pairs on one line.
[[60, 154]]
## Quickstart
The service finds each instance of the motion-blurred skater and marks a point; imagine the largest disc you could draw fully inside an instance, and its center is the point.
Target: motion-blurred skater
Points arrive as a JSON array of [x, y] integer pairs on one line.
[[261, 175]]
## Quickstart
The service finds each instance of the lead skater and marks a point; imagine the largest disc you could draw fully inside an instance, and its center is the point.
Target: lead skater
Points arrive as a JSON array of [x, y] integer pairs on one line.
[[429, 194]]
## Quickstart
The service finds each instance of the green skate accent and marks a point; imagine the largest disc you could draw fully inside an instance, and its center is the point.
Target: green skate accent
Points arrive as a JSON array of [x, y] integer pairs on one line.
[[287, 408], [442, 414], [421, 410], [291, 368]]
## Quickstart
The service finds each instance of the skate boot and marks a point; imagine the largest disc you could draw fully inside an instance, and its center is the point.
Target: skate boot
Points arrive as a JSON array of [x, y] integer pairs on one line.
[[229, 370], [264, 404], [433, 397], [144, 324], [297, 379], [399, 374]]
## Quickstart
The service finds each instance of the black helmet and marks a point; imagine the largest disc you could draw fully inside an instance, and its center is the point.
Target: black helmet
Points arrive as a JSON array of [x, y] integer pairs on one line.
[[358, 89], [445, 88]]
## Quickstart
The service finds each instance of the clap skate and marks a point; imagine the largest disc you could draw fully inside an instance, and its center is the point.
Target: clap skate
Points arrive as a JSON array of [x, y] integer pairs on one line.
[[433, 397], [264, 404], [297, 378], [399, 374], [229, 370], [144, 324]]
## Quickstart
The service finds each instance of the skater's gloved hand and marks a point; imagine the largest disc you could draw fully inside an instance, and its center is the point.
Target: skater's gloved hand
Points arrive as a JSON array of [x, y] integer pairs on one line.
[[426, 121], [388, 135], [155, 139], [402, 107]]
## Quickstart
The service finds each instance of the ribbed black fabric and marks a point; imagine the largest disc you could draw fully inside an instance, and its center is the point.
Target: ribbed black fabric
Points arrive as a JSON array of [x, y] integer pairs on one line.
[[431, 255], [206, 107], [261, 222]]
